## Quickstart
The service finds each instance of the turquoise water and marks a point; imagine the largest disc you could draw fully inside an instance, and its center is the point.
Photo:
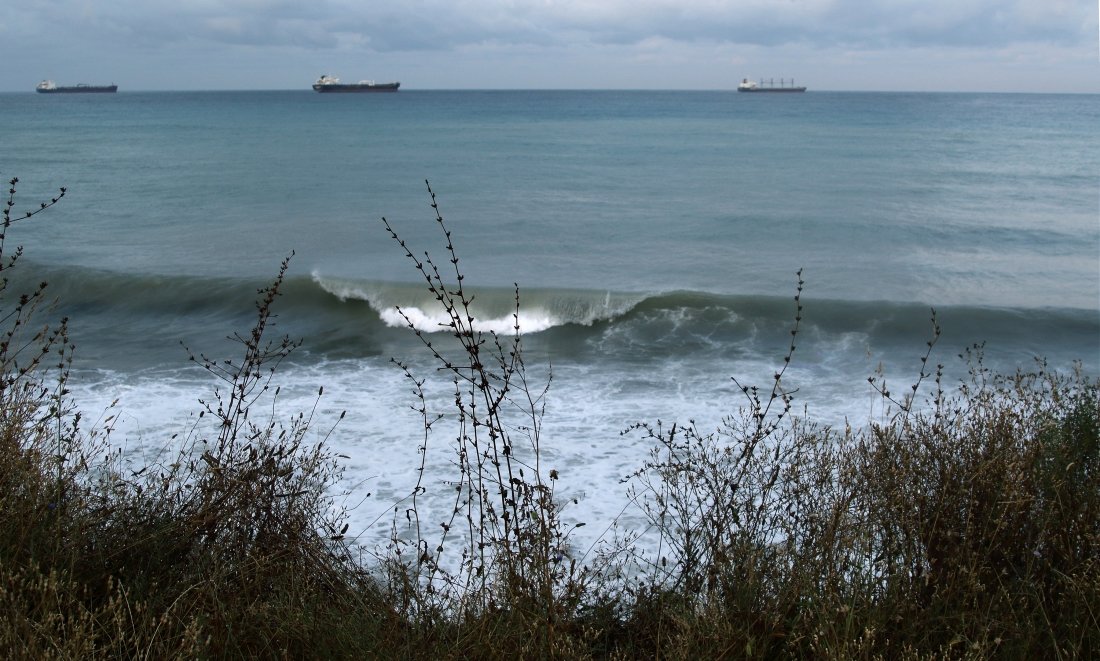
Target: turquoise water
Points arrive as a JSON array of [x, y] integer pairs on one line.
[[654, 238]]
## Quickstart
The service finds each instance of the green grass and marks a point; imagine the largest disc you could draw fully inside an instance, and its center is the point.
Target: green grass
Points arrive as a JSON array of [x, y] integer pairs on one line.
[[964, 527]]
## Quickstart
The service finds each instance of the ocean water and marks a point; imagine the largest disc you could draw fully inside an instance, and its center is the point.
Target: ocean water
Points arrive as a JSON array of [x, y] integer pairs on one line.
[[654, 238]]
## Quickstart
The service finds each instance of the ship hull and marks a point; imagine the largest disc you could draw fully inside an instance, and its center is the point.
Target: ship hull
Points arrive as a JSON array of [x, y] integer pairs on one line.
[[356, 88], [760, 90], [80, 89]]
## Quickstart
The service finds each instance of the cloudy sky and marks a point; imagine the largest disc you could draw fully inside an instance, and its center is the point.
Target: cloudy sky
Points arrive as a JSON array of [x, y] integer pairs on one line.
[[943, 45]]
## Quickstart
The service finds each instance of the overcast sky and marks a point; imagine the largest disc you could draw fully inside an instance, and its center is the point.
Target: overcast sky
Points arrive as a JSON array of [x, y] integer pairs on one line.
[[945, 45]]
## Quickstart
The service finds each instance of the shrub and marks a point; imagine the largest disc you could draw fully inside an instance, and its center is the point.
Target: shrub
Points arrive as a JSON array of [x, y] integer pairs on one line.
[[512, 564]]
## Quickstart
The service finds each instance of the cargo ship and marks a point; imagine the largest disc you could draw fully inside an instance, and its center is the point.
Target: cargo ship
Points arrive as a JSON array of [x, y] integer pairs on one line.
[[332, 84], [49, 87], [752, 86]]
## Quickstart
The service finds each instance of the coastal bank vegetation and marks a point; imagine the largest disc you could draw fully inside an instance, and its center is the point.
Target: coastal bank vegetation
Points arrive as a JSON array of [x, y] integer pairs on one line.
[[963, 524]]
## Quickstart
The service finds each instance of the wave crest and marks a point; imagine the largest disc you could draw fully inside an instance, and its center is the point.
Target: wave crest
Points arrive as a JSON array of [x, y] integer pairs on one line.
[[493, 309], [430, 322]]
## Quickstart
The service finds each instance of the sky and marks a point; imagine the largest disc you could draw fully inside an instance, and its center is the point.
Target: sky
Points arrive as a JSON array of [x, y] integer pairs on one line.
[[888, 45]]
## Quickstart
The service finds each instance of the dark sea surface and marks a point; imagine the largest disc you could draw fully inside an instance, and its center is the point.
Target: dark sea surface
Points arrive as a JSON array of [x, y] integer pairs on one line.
[[654, 237]]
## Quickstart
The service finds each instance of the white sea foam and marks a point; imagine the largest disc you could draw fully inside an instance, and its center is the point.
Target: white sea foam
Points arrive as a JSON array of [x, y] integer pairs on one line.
[[528, 321]]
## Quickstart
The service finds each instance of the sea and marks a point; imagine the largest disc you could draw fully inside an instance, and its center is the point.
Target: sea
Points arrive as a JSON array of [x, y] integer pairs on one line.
[[654, 237]]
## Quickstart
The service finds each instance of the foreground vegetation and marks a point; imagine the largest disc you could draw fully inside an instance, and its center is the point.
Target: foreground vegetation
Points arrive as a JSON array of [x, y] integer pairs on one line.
[[967, 526]]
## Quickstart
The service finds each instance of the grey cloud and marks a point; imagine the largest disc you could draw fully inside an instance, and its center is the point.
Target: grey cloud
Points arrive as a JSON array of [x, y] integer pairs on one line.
[[442, 25], [855, 23]]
